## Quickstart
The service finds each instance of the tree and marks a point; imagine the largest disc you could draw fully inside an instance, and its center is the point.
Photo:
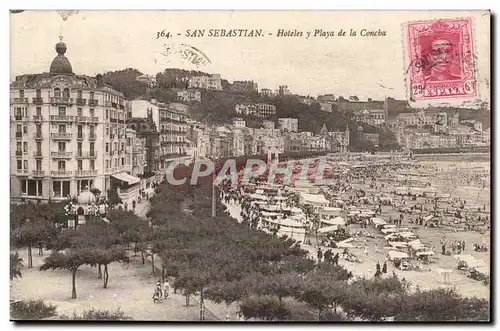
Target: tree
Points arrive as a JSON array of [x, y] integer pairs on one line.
[[267, 308], [98, 315], [71, 259], [100, 256], [320, 292], [113, 197], [31, 233], [16, 264]]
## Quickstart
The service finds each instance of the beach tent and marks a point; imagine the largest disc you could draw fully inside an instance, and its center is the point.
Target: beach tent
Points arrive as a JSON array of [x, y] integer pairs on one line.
[[336, 221], [377, 221], [345, 243], [397, 255], [425, 253], [470, 261], [330, 211], [257, 196], [328, 229], [428, 218]]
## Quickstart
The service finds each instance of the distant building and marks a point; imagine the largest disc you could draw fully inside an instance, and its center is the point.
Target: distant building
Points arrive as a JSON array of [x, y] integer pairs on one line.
[[137, 153], [326, 98], [267, 92], [173, 132], [370, 116], [373, 138], [326, 106], [307, 100], [213, 82], [239, 122], [147, 79], [145, 129], [268, 124], [283, 90], [261, 110], [189, 95], [140, 109], [246, 86], [288, 124]]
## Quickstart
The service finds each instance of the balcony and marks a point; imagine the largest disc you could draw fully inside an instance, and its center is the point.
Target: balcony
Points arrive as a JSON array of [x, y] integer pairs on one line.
[[111, 136], [37, 154], [94, 119], [19, 134], [80, 136], [19, 153], [61, 136], [19, 100], [38, 101], [86, 155], [38, 173], [62, 118], [85, 173], [18, 118], [22, 171], [92, 136], [81, 102], [61, 155], [82, 119], [93, 102], [38, 136], [113, 120], [37, 118], [61, 101], [60, 173]]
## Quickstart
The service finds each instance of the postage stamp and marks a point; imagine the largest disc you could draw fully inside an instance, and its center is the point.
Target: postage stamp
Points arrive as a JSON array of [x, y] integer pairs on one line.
[[440, 57]]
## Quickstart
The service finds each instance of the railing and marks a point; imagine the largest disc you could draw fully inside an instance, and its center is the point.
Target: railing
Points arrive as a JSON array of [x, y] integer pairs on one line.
[[37, 118], [22, 171], [85, 173], [62, 118], [94, 119], [38, 172], [19, 134], [38, 136], [61, 135], [19, 153], [86, 155], [93, 102], [82, 119], [61, 101], [18, 117], [38, 101], [92, 136], [80, 136], [61, 173], [61, 155], [37, 154], [19, 100], [81, 102]]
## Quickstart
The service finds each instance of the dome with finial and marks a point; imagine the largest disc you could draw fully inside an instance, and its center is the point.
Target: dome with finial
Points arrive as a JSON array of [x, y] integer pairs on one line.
[[60, 64], [86, 198]]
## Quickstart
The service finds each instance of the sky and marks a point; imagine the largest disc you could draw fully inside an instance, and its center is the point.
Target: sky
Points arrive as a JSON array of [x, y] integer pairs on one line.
[[368, 67]]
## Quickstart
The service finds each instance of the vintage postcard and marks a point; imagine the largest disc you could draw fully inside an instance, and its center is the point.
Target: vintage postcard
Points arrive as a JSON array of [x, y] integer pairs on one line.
[[250, 166]]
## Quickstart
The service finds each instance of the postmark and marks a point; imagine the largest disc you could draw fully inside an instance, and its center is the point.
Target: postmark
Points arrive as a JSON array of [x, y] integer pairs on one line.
[[440, 58], [187, 53]]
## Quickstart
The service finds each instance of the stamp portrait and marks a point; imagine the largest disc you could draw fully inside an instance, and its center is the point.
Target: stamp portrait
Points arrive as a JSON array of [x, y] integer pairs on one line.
[[440, 55]]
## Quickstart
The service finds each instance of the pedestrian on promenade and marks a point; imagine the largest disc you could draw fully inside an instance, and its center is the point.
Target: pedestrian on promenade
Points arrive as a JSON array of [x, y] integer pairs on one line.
[[378, 266], [319, 255], [384, 267], [166, 288]]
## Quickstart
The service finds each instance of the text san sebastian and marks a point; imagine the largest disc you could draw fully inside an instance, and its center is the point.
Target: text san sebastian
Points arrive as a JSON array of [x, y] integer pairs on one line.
[[225, 33]]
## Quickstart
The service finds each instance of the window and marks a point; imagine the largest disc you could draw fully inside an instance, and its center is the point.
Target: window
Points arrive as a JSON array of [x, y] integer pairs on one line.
[[19, 164], [92, 130], [65, 188], [79, 112], [66, 93], [107, 147], [92, 164], [107, 164], [80, 131], [91, 149], [38, 147], [79, 148], [19, 128], [21, 93], [91, 95], [25, 129], [61, 165], [92, 112], [57, 92], [115, 146], [61, 146], [80, 165], [123, 161], [79, 93], [38, 165], [38, 111], [38, 130], [107, 114], [19, 146], [107, 132], [25, 146], [25, 164], [62, 111], [38, 93], [62, 128]]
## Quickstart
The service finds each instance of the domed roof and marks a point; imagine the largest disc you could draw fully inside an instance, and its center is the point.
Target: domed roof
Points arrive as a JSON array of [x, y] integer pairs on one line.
[[86, 198], [60, 64]]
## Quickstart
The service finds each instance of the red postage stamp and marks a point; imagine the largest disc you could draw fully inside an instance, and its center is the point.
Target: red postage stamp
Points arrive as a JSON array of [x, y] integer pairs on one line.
[[441, 62]]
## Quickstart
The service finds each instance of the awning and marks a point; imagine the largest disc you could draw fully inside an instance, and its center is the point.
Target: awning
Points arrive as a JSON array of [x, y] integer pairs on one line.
[[124, 177]]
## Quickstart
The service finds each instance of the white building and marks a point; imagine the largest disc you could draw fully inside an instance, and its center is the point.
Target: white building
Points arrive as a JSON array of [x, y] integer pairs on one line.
[[139, 108], [213, 82], [189, 95], [288, 124], [239, 122], [268, 124], [267, 92]]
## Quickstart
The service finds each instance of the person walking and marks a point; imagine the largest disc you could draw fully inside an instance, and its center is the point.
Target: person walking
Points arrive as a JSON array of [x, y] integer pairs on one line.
[[336, 259], [319, 255], [166, 288], [377, 266], [384, 267]]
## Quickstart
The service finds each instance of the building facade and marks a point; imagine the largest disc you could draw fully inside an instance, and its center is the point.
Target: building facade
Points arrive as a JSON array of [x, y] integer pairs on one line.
[[136, 150], [288, 124], [147, 131], [213, 82], [173, 132], [267, 92], [67, 133], [370, 116], [189, 95]]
